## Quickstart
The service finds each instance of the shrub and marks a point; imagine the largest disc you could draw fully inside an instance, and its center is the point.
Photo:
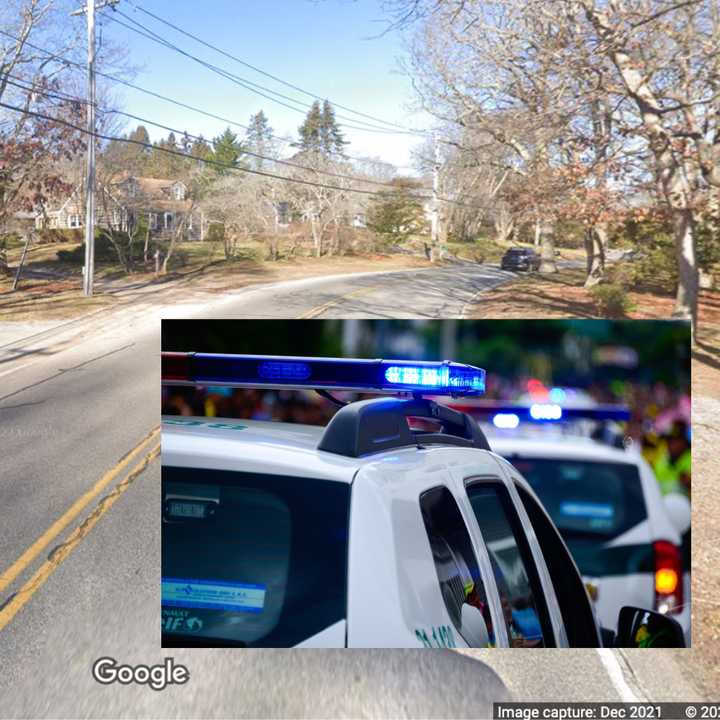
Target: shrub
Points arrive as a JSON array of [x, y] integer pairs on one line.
[[611, 300], [59, 235], [105, 251], [655, 268], [569, 234]]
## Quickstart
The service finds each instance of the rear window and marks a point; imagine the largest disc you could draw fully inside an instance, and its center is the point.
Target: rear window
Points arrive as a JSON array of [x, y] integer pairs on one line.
[[251, 560], [586, 500], [517, 252]]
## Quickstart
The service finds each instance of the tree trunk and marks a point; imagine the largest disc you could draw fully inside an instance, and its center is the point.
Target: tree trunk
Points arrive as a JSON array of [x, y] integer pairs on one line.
[[317, 239], [504, 226], [147, 243], [547, 249], [4, 269], [596, 240], [28, 240], [538, 232], [686, 303], [170, 250]]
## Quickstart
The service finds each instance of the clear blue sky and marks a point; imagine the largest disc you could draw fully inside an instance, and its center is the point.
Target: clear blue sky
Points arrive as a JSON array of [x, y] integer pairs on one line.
[[328, 47]]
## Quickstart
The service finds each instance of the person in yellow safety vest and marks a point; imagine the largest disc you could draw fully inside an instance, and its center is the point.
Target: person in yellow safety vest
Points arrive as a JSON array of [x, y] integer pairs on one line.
[[673, 466]]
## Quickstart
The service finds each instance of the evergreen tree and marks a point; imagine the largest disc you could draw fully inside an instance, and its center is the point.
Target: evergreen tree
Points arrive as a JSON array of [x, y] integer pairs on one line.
[[163, 164], [128, 156], [397, 214], [320, 133], [333, 140], [259, 139], [200, 148], [140, 134], [227, 150], [311, 131]]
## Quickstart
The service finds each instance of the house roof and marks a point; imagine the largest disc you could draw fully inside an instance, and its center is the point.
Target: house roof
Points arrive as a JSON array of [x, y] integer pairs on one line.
[[156, 192]]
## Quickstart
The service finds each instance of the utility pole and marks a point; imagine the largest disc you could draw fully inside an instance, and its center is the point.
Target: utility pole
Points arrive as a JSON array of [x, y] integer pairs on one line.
[[435, 217], [89, 269]]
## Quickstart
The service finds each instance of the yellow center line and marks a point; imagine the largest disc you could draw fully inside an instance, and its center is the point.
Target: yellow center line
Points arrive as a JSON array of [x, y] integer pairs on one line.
[[60, 554], [320, 309], [72, 512]]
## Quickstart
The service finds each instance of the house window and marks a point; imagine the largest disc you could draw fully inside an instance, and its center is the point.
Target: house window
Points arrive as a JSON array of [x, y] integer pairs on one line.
[[74, 221], [179, 191], [116, 219], [153, 221], [283, 213], [132, 187], [168, 220]]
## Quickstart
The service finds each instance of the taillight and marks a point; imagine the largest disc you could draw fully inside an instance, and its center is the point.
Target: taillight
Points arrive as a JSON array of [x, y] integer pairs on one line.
[[668, 577]]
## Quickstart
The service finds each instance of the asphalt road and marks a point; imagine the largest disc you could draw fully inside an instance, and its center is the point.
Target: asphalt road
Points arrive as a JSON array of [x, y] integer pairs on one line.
[[79, 546], [434, 293]]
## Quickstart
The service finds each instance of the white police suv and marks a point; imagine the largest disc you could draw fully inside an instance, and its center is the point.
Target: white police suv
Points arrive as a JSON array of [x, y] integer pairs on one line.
[[624, 536], [366, 533]]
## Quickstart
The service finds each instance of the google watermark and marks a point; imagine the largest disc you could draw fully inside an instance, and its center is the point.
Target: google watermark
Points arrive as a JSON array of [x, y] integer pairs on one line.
[[107, 671]]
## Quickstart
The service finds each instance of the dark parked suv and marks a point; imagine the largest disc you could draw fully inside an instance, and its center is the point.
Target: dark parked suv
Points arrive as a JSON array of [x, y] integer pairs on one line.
[[520, 259]]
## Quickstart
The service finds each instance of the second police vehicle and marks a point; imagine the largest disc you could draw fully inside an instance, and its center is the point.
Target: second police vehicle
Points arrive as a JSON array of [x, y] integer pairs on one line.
[[624, 535], [393, 526]]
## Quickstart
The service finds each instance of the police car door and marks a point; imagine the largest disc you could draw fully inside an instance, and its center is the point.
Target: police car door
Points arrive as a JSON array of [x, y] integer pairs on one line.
[[578, 617], [413, 569], [501, 529]]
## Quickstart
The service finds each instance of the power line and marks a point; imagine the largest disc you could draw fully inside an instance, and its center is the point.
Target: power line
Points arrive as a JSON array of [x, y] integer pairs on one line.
[[185, 133], [207, 161], [365, 126], [263, 72], [217, 163], [67, 62], [23, 84], [245, 83]]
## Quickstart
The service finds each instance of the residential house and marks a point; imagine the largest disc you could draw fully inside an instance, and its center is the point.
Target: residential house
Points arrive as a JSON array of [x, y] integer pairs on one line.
[[161, 203]]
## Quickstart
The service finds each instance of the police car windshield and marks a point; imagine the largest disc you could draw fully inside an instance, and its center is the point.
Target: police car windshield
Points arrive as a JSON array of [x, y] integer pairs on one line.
[[592, 503], [586, 499], [251, 560]]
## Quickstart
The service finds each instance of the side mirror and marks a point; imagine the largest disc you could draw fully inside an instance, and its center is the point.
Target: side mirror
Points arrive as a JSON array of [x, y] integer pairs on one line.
[[638, 628], [678, 509]]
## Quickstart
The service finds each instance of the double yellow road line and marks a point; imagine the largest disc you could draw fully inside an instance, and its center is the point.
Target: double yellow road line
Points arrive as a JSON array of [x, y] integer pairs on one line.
[[21, 597], [320, 309]]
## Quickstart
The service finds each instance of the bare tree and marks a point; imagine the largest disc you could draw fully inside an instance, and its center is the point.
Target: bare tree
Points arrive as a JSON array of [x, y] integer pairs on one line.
[[663, 58], [638, 79], [321, 204]]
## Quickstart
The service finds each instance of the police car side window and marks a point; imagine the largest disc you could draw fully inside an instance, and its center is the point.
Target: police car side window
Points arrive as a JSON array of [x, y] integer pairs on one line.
[[524, 609], [571, 595], [457, 568]]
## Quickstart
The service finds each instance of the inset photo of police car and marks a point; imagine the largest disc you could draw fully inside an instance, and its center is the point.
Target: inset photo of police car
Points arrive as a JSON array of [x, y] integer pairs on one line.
[[418, 483]]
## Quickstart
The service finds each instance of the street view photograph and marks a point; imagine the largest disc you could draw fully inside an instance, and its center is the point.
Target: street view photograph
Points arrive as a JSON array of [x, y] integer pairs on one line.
[[378, 324]]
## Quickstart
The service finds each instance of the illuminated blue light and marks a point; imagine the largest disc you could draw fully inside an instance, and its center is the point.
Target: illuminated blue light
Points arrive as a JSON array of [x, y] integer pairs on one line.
[[284, 371], [558, 395], [418, 376], [506, 421], [443, 377], [545, 412]]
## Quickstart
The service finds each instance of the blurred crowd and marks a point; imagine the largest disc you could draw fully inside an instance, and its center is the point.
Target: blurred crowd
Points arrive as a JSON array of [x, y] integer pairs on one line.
[[660, 422]]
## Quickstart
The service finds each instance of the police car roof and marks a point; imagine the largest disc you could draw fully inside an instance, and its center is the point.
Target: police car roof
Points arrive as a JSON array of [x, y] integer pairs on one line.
[[565, 447], [251, 446]]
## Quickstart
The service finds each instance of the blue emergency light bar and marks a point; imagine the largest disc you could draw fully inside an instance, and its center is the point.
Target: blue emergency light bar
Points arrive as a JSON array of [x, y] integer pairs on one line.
[[510, 416], [268, 371]]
